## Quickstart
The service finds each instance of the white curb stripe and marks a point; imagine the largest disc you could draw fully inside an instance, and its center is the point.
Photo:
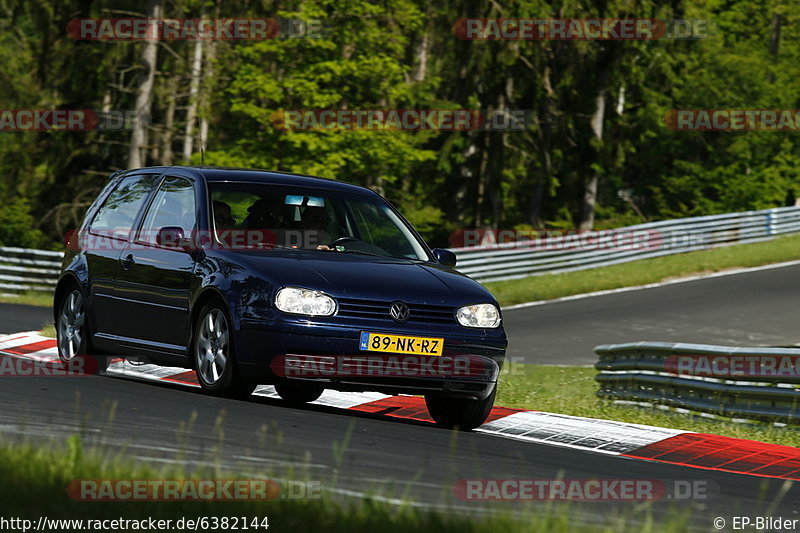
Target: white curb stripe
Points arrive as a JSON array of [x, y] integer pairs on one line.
[[602, 436], [605, 436]]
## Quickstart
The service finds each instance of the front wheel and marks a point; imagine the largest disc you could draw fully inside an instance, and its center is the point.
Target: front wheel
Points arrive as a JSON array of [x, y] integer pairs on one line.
[[72, 335], [298, 393], [459, 413], [214, 356]]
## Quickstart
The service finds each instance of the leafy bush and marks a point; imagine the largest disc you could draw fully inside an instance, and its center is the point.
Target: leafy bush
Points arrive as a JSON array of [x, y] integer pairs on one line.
[[17, 226]]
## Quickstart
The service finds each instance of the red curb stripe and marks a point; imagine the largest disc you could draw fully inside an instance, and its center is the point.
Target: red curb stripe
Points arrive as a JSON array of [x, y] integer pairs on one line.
[[184, 378], [413, 408], [726, 454], [408, 407], [501, 412], [31, 348]]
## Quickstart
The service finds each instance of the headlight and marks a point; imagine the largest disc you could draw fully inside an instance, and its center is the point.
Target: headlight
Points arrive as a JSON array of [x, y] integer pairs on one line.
[[479, 316], [304, 302]]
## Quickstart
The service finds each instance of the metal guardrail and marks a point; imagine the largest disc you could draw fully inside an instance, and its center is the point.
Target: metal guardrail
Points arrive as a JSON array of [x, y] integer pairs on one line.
[[530, 258], [23, 269], [653, 373]]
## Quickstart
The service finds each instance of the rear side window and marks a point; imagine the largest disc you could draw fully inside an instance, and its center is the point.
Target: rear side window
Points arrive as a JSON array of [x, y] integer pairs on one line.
[[119, 211], [99, 199]]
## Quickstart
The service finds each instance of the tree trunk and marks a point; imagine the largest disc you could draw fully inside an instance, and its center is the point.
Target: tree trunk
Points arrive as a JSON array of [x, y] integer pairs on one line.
[[422, 56], [590, 190], [206, 96], [167, 155], [543, 144], [537, 194], [191, 110], [144, 93], [480, 192]]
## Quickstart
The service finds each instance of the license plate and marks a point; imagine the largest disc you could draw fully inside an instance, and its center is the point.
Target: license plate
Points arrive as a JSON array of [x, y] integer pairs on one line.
[[382, 342]]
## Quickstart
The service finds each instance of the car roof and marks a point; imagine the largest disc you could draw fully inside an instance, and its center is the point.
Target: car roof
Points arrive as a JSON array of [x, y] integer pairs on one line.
[[220, 174]]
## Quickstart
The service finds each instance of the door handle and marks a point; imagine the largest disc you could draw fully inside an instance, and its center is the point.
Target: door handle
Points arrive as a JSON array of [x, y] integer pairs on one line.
[[127, 262]]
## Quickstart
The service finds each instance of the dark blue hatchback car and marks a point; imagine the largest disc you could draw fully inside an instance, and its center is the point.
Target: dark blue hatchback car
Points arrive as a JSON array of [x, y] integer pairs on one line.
[[254, 277]]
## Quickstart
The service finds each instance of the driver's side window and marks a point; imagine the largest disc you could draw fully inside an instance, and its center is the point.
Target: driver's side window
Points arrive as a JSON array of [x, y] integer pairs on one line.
[[173, 205]]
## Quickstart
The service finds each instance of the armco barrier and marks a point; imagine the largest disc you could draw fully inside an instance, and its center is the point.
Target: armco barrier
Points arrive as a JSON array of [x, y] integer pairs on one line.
[[28, 270], [652, 372], [526, 258], [24, 270]]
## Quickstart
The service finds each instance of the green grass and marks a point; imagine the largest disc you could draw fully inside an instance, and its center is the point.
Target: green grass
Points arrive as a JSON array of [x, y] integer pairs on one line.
[[35, 480], [571, 390], [37, 298], [48, 331], [645, 271]]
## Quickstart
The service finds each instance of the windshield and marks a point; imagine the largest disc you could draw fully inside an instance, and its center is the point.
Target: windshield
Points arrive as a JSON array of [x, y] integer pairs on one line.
[[255, 215]]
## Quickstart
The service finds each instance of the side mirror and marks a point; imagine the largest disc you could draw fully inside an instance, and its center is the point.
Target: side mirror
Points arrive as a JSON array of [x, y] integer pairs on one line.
[[445, 257], [172, 237], [72, 240]]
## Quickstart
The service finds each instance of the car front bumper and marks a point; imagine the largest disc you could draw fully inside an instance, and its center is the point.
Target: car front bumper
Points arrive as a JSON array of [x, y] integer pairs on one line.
[[329, 355]]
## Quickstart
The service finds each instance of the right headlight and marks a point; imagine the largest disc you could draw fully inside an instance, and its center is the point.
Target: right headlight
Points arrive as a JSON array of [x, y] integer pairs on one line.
[[301, 301], [479, 316]]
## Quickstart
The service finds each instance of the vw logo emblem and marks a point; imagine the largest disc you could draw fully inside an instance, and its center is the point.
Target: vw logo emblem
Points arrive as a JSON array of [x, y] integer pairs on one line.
[[399, 311]]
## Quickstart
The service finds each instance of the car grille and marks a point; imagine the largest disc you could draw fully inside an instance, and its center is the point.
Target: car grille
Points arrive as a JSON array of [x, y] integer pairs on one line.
[[436, 314]]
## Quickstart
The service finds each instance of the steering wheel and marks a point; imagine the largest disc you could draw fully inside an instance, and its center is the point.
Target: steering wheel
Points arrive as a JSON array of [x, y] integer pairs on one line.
[[342, 240]]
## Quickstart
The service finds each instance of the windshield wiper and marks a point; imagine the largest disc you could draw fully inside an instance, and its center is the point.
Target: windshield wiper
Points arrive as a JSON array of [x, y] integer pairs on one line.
[[359, 252], [265, 246]]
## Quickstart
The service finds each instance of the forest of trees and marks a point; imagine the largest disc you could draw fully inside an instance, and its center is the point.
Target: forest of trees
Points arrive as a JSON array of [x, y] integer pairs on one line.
[[596, 151]]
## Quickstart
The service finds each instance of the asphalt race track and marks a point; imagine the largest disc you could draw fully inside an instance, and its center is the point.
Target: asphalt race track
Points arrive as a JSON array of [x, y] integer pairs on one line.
[[760, 308], [15, 318], [352, 454], [366, 455]]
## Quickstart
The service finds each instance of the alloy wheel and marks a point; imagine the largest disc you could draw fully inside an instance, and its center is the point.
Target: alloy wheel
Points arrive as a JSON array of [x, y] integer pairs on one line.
[[212, 350], [71, 320]]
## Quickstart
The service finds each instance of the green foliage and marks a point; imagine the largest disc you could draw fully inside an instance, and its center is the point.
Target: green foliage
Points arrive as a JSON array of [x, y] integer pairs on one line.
[[404, 54], [17, 226]]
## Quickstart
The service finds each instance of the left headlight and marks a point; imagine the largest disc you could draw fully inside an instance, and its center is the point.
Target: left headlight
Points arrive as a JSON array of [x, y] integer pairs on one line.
[[304, 302], [479, 316]]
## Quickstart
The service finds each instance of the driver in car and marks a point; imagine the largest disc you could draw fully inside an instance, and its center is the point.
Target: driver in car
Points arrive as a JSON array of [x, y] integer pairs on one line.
[[315, 222], [223, 218], [265, 216]]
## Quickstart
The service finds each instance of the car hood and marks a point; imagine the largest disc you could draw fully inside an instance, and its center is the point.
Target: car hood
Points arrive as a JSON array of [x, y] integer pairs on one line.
[[365, 277]]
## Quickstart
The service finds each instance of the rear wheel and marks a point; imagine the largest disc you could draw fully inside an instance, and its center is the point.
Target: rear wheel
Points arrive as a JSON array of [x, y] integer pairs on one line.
[[298, 393], [459, 413], [214, 355], [72, 335]]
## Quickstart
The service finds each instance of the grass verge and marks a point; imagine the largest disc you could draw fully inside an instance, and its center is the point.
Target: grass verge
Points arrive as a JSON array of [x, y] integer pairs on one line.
[[49, 330], [570, 390], [35, 481], [37, 298], [549, 286]]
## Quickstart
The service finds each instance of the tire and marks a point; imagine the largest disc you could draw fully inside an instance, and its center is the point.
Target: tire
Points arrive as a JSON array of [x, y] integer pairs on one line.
[[214, 356], [459, 413], [298, 393], [72, 335]]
